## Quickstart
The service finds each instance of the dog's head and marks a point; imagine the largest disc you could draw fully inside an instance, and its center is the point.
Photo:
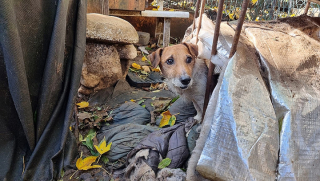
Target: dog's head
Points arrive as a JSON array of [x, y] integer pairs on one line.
[[176, 63]]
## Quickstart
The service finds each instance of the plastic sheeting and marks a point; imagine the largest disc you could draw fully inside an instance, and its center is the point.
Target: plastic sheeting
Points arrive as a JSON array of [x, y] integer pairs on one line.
[[272, 80], [42, 48]]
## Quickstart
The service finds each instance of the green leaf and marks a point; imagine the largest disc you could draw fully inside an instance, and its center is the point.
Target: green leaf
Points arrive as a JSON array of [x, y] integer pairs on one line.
[[99, 108], [141, 101], [154, 98], [89, 143], [148, 48], [164, 163], [93, 153], [172, 120], [95, 117], [174, 99], [105, 159], [144, 106]]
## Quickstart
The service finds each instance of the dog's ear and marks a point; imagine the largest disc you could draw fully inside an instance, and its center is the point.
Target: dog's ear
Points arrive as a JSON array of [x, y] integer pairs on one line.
[[155, 57], [193, 49]]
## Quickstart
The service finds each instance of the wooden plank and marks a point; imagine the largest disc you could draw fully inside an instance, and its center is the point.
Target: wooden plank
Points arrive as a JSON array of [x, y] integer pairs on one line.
[[98, 6], [166, 32], [116, 12], [137, 5], [165, 14]]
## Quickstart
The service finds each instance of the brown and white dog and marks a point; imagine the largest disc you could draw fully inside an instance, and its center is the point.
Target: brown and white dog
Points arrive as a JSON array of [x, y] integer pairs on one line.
[[185, 74]]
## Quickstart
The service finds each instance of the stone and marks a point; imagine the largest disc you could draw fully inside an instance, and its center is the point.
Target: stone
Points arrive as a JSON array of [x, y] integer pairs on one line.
[[125, 65], [102, 65], [144, 38], [110, 29], [127, 52], [84, 90]]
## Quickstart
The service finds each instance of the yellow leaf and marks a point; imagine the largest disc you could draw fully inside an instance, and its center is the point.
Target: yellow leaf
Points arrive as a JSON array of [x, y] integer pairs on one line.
[[171, 10], [254, 1], [137, 66], [167, 119], [231, 16], [85, 164], [156, 70], [292, 15], [83, 104], [70, 127], [257, 19], [154, 9], [102, 147], [133, 100], [144, 58], [154, 3]]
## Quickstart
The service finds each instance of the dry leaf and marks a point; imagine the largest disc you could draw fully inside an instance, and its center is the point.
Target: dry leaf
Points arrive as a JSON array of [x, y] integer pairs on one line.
[[83, 104], [171, 10], [102, 147], [137, 66], [146, 69], [254, 1], [167, 119], [156, 70], [85, 164], [132, 100], [84, 115]]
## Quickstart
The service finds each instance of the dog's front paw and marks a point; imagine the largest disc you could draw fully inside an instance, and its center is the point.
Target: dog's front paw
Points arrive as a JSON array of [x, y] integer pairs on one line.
[[198, 118]]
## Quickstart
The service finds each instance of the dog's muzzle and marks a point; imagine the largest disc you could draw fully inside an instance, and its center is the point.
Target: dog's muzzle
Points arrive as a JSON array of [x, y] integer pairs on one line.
[[185, 80]]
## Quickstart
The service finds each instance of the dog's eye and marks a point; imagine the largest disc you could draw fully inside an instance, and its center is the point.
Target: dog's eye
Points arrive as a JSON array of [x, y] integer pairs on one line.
[[170, 61], [189, 59]]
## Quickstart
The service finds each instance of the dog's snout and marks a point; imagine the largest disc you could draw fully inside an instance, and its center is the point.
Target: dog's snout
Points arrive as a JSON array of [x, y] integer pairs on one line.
[[185, 80]]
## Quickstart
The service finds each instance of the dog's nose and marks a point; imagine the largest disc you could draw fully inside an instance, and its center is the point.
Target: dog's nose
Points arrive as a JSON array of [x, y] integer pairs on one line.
[[185, 80]]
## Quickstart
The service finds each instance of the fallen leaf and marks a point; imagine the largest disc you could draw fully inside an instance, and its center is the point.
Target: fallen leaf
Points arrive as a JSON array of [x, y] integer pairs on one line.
[[156, 91], [135, 65], [154, 9], [105, 159], [164, 163], [85, 164], [144, 58], [102, 147], [165, 118], [156, 70], [132, 100], [83, 104], [84, 115], [254, 1], [141, 101], [146, 68], [171, 10], [144, 106]]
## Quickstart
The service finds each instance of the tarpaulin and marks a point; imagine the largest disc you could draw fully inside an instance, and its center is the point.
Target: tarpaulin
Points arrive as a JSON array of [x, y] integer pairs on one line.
[[262, 118], [42, 46]]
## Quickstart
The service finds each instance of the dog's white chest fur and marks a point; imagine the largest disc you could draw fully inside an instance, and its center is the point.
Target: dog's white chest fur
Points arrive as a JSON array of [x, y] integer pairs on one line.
[[196, 90]]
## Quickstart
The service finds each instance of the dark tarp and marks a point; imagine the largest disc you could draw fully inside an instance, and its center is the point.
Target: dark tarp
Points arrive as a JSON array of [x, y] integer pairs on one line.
[[42, 46]]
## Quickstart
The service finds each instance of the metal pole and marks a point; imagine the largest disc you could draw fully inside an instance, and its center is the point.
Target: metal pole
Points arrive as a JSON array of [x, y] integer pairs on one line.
[[196, 13], [239, 27], [200, 19], [307, 8], [209, 87]]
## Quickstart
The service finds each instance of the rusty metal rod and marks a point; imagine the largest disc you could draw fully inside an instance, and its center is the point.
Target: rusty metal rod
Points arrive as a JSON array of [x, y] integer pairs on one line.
[[307, 8], [236, 37], [210, 87], [203, 2], [196, 13]]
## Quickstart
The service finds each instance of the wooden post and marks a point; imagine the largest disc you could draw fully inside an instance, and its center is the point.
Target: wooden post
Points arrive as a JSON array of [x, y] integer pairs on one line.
[[196, 13], [98, 6], [166, 32], [160, 3]]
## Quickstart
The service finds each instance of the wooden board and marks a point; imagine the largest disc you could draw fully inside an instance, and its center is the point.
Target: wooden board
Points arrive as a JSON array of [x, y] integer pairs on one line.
[[98, 6], [138, 5]]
